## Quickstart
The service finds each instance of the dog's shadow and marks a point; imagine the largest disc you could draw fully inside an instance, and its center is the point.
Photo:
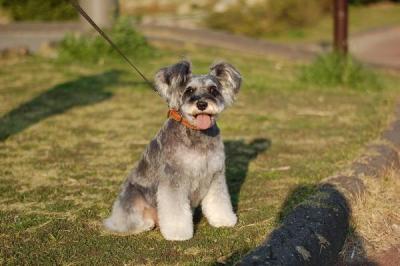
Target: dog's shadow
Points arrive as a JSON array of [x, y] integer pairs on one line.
[[239, 154]]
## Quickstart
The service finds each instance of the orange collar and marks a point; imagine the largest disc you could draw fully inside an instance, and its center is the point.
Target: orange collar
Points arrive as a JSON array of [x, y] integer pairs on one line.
[[175, 115]]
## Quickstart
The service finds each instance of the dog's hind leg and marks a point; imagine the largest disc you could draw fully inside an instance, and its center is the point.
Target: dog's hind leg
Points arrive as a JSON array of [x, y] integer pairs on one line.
[[131, 212]]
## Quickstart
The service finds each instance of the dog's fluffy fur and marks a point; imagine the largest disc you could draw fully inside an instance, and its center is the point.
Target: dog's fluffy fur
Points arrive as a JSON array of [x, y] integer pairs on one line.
[[181, 167]]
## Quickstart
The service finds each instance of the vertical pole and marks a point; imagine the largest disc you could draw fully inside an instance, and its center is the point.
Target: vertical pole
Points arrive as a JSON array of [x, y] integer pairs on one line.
[[340, 14], [103, 12]]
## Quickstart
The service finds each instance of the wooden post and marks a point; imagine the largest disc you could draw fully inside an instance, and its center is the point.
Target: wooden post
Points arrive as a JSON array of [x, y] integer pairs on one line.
[[340, 14], [102, 12]]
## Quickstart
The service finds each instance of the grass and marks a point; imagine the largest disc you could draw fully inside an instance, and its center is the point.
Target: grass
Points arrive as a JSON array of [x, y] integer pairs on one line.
[[379, 15], [330, 70], [376, 220], [70, 133], [254, 21], [93, 48]]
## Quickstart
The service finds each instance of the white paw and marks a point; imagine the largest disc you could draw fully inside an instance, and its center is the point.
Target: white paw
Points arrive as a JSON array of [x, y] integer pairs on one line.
[[115, 225], [223, 220], [177, 232]]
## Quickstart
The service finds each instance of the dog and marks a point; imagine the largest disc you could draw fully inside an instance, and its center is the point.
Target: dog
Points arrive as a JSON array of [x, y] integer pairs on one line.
[[184, 165]]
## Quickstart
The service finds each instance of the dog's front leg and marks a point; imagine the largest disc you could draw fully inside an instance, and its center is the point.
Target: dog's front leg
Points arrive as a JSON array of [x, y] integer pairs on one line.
[[217, 206], [174, 213]]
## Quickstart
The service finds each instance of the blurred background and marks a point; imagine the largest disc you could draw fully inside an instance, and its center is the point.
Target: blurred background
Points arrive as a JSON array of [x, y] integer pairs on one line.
[[305, 26]]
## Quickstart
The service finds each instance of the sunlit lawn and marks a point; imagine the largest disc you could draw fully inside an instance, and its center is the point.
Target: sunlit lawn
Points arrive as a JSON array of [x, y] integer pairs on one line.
[[69, 134]]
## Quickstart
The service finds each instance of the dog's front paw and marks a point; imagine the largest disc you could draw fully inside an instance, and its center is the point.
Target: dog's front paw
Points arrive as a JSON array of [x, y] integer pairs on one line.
[[177, 232], [223, 220]]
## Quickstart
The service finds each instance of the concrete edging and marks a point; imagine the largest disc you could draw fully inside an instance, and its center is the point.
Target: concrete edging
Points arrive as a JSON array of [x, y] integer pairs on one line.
[[315, 231]]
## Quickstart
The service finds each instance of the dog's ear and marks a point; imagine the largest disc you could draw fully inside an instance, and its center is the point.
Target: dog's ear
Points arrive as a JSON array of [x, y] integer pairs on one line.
[[230, 79], [172, 78]]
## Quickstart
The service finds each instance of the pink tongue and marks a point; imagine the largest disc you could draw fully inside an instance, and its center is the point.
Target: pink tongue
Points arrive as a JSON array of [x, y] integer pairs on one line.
[[203, 121]]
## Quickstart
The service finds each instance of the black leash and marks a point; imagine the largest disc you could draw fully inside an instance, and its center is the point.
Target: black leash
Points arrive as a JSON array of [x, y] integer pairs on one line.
[[76, 5]]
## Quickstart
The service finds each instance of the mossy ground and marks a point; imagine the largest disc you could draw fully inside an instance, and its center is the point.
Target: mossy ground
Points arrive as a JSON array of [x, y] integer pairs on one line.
[[69, 134]]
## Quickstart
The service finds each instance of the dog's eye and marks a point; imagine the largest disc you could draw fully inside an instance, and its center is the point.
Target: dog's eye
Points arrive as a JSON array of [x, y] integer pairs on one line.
[[189, 90], [213, 90]]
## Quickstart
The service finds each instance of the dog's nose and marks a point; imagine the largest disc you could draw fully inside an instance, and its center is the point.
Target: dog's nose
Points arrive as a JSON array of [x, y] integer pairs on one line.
[[202, 105]]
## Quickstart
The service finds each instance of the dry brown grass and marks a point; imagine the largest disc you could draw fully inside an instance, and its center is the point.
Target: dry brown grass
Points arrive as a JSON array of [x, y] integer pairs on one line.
[[375, 219]]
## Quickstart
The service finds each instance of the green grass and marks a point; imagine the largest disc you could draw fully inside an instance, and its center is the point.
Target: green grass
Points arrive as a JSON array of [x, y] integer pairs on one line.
[[94, 49], [314, 24], [361, 19], [69, 134], [34, 10], [335, 69]]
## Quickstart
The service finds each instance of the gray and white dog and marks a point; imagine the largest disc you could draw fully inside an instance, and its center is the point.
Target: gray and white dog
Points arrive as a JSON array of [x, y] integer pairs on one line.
[[183, 166]]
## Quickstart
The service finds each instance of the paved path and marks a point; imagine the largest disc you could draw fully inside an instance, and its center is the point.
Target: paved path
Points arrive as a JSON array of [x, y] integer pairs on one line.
[[379, 47], [205, 37], [33, 35]]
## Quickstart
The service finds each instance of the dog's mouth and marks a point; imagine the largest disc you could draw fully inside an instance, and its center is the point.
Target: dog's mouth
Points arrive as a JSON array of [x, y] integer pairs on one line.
[[204, 121]]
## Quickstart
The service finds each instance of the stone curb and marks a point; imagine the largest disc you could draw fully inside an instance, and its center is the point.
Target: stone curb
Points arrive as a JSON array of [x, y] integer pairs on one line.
[[315, 231]]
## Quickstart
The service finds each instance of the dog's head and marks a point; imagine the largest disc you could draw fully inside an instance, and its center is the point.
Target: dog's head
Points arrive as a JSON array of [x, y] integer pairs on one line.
[[199, 98]]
